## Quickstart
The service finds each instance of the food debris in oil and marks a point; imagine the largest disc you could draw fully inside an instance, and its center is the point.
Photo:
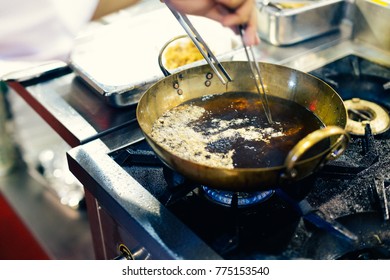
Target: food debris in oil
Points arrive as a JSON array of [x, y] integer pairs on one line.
[[230, 130]]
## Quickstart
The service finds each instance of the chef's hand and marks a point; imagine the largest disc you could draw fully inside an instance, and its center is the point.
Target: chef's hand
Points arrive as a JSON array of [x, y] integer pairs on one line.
[[230, 13]]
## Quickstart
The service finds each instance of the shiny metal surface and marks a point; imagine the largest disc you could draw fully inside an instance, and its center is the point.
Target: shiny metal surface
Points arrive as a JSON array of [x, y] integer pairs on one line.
[[133, 207], [72, 109], [281, 82], [315, 59], [256, 74], [373, 24], [200, 44], [379, 123], [285, 26], [35, 71], [310, 140]]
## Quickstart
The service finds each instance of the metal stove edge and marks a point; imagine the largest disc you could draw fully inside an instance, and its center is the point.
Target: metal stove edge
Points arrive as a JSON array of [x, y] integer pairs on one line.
[[133, 206]]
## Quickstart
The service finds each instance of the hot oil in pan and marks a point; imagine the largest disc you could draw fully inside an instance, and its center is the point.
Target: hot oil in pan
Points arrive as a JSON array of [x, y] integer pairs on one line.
[[236, 127], [292, 119]]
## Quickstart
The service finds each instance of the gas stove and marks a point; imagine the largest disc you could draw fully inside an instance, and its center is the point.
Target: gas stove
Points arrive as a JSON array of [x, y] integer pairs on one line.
[[287, 222], [140, 209], [340, 212]]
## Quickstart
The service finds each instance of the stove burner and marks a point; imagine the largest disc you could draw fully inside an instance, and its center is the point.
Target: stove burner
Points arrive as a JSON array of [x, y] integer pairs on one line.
[[353, 76], [362, 111], [226, 198]]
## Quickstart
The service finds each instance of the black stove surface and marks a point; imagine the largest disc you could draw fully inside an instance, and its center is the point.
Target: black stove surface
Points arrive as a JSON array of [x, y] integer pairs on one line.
[[357, 77], [341, 212]]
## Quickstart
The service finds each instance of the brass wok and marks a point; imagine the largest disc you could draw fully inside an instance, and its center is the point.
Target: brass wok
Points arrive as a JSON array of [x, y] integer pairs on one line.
[[280, 81]]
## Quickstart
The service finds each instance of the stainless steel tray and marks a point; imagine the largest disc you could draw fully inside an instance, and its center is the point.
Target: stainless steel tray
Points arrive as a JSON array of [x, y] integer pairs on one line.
[[286, 22], [119, 61]]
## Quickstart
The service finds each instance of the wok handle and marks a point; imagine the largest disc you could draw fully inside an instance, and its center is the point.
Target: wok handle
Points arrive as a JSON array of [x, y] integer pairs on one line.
[[310, 140], [160, 54]]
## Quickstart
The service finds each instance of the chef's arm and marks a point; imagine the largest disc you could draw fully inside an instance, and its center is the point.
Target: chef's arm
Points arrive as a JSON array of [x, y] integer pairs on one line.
[[230, 13]]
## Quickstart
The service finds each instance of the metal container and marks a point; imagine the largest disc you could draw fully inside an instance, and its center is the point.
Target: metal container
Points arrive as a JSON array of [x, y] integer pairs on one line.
[[372, 23], [118, 61], [288, 22], [286, 83]]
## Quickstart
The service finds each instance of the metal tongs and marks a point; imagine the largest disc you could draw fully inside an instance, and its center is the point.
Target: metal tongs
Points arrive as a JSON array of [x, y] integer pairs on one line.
[[255, 70], [211, 59], [199, 42]]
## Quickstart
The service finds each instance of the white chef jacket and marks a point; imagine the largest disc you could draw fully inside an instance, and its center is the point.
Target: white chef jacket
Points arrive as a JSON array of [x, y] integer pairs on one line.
[[40, 30]]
